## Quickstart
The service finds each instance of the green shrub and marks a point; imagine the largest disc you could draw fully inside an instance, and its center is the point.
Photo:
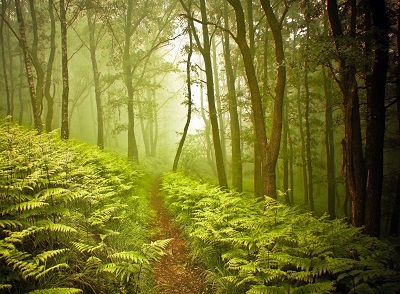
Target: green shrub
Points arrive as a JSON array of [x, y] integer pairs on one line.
[[253, 247]]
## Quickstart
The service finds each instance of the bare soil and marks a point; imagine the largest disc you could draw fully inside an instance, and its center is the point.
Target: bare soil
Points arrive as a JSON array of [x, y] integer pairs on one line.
[[175, 272]]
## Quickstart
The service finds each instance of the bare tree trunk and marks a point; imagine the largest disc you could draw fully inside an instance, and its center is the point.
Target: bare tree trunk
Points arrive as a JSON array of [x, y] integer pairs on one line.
[[65, 77], [28, 66], [3, 58], [285, 156], [96, 79], [237, 174], [189, 102], [352, 143], [50, 61], [133, 154], [376, 118]]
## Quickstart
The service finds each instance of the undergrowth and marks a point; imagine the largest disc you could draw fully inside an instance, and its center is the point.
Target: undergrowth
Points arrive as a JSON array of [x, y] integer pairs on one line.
[[251, 247], [71, 218]]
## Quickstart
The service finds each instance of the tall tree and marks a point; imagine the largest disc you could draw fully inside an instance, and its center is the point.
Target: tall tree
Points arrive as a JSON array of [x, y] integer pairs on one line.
[[91, 19], [189, 99], [3, 58], [205, 50], [48, 82], [376, 117], [352, 143], [237, 173], [128, 76], [36, 107], [65, 76]]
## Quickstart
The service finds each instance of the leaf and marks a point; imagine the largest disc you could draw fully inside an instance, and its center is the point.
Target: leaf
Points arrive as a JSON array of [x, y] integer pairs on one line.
[[57, 291]]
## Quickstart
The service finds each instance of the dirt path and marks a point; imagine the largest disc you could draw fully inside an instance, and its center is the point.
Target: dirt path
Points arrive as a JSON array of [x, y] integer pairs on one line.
[[174, 273]]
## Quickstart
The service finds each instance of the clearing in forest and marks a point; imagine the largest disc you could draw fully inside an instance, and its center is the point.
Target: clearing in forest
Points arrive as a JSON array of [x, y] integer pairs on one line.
[[175, 272]]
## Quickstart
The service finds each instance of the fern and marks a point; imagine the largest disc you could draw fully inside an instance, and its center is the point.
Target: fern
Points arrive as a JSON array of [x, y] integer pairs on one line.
[[57, 291]]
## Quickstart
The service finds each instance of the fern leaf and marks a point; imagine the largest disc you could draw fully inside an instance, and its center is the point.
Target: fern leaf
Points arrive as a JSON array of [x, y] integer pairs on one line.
[[49, 254], [5, 286], [24, 206], [50, 269], [7, 223], [129, 256], [123, 271], [60, 228], [57, 291]]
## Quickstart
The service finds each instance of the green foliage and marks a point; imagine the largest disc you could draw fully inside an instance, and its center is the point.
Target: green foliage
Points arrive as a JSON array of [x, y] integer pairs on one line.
[[69, 218], [267, 247]]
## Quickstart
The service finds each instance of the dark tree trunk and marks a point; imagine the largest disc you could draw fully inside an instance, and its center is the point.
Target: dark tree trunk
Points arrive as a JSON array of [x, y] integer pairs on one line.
[[65, 78], [256, 103], [376, 118], [96, 79], [237, 174], [133, 154], [276, 132], [50, 61], [3, 58], [189, 102], [28, 66], [352, 143], [285, 155], [329, 146]]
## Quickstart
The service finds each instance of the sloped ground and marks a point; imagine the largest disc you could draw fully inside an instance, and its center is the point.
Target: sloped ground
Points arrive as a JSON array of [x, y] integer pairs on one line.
[[174, 273]]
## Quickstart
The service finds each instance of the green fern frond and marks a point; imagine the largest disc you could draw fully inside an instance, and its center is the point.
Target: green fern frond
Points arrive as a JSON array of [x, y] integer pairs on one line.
[[49, 254], [123, 271], [57, 291], [60, 228], [24, 206], [5, 286], [50, 269], [86, 248], [262, 289], [10, 223], [129, 256]]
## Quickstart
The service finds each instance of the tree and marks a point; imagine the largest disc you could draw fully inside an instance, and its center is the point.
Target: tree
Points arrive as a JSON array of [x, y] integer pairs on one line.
[[36, 107], [205, 50], [65, 77], [96, 77], [3, 58], [352, 143], [376, 117], [189, 100], [237, 173]]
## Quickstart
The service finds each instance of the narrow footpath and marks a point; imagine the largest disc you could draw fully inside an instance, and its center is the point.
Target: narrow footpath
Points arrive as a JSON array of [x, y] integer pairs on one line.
[[174, 273]]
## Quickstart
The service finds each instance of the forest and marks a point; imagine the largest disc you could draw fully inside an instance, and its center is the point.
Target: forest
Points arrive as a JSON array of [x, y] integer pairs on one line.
[[193, 146]]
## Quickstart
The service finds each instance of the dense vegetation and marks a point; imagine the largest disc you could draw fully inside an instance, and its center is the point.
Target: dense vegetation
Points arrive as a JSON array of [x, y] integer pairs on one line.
[[266, 247], [73, 219]]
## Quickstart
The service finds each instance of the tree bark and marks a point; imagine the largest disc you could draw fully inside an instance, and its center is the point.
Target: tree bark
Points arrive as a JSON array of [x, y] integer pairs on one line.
[[65, 77], [352, 143], [28, 66], [376, 118], [3, 58], [96, 79], [237, 173], [133, 154], [189, 102], [49, 69]]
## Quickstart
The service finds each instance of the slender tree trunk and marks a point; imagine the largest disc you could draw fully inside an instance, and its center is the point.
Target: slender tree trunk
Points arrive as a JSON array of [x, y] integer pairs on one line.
[[221, 122], [154, 122], [50, 61], [302, 144], [352, 143], [65, 77], [291, 169], [20, 96], [211, 99], [3, 58], [237, 174], [28, 66], [96, 79], [329, 145], [256, 102], [276, 132], [285, 156], [189, 102], [308, 138], [394, 224], [376, 118], [133, 154]]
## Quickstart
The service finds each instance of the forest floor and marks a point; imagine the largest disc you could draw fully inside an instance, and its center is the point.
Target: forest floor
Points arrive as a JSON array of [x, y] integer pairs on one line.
[[175, 272]]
